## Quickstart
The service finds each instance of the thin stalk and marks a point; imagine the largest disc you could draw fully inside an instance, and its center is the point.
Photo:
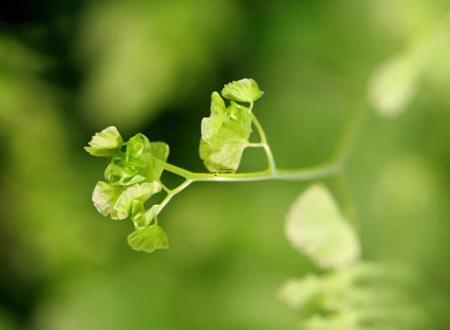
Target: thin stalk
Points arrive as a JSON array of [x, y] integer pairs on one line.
[[172, 193], [302, 174], [263, 141]]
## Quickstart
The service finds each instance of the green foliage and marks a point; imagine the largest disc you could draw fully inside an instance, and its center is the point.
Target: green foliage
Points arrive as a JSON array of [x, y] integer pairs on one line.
[[316, 228], [133, 177], [148, 239], [105, 143], [226, 132], [244, 90], [362, 296]]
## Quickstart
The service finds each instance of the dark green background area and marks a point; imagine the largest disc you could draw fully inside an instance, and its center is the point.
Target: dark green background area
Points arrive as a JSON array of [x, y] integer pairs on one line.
[[71, 68]]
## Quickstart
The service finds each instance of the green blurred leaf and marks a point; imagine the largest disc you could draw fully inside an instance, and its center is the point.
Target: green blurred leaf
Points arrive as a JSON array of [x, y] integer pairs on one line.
[[224, 135], [148, 239], [244, 90], [316, 228], [105, 143]]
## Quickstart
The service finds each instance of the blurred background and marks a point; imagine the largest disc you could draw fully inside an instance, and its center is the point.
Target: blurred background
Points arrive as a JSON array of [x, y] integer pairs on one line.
[[70, 68]]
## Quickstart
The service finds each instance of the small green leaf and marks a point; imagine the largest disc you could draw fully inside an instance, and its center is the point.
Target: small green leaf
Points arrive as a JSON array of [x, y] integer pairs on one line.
[[244, 90], [148, 239], [224, 136], [105, 143], [160, 151], [137, 147], [141, 192], [122, 174], [104, 196], [316, 227], [217, 104], [141, 154]]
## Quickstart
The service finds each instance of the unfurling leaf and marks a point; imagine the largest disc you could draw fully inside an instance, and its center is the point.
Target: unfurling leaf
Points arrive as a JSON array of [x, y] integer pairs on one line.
[[122, 174], [141, 192], [316, 228], [224, 135], [244, 90], [105, 143], [141, 154], [148, 239], [104, 197]]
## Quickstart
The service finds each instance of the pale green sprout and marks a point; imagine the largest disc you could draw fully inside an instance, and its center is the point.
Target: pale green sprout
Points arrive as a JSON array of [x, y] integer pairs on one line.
[[133, 174], [244, 90], [225, 134], [105, 143]]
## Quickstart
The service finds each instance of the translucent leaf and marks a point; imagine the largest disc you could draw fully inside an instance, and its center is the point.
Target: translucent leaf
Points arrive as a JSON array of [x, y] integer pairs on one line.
[[141, 192], [316, 228], [160, 151], [394, 84], [224, 136], [137, 214], [104, 197], [301, 292], [141, 154], [122, 174], [244, 90], [140, 217], [105, 143], [148, 239]]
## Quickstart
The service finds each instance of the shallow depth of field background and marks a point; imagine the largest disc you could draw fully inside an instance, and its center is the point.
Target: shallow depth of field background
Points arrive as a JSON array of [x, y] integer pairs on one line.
[[70, 68]]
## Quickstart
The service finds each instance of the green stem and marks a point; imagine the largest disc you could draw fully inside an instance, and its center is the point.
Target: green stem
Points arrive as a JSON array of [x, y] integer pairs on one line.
[[172, 193], [303, 174], [263, 142]]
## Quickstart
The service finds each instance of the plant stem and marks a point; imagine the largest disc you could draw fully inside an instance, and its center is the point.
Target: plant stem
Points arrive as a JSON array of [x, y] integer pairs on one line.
[[303, 174], [172, 193], [263, 141]]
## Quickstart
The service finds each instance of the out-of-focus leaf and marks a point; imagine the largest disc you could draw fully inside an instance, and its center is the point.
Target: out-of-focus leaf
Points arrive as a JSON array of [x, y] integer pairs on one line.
[[394, 84], [316, 228]]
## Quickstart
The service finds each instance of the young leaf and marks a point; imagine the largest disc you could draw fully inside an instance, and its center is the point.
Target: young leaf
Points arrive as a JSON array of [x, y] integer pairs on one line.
[[244, 90], [148, 239], [316, 227], [141, 154], [141, 192], [160, 151], [121, 174], [224, 135], [105, 143], [104, 197]]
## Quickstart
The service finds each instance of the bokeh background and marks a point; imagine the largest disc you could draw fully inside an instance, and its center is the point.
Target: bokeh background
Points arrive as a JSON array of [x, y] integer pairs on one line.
[[70, 68]]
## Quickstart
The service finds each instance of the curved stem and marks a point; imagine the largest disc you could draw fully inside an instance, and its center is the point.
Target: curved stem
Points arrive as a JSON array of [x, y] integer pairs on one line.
[[303, 174], [263, 143]]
